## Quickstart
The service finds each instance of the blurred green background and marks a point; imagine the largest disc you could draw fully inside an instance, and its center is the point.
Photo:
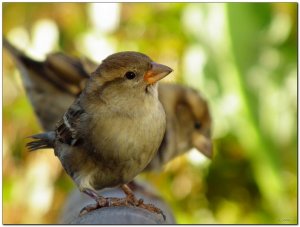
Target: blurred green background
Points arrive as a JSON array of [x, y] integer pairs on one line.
[[241, 56]]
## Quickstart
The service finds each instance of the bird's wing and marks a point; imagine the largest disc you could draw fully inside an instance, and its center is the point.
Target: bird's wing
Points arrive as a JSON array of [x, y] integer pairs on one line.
[[67, 129], [70, 69], [51, 85]]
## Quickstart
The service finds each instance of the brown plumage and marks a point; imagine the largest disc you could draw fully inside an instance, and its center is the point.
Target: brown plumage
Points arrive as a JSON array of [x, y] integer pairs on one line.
[[47, 84], [113, 129], [185, 108], [188, 124]]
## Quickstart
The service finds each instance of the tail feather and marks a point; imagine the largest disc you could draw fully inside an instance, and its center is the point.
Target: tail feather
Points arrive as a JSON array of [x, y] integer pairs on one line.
[[41, 141]]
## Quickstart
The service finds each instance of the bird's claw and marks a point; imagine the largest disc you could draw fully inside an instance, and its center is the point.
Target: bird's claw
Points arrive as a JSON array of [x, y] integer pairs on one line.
[[101, 202], [88, 209], [151, 208]]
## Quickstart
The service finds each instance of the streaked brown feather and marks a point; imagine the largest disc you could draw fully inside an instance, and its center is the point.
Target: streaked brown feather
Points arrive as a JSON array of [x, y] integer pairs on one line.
[[67, 127]]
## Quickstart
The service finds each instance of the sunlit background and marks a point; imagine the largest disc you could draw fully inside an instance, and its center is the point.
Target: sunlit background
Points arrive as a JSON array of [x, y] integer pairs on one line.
[[241, 56]]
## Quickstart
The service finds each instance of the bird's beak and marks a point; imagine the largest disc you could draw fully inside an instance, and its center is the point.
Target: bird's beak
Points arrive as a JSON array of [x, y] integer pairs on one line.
[[204, 145], [156, 73]]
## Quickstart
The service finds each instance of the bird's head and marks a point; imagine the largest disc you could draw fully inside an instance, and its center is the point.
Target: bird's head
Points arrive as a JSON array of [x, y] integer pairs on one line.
[[126, 71], [194, 122]]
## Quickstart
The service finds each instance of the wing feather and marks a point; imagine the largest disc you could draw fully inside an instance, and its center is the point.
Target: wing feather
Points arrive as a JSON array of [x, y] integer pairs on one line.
[[67, 129]]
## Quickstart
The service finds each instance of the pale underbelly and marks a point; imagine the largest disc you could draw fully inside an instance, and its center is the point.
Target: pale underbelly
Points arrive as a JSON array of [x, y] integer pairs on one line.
[[114, 173]]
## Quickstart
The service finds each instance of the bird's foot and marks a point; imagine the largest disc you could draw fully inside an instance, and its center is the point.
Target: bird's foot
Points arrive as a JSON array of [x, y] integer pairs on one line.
[[117, 202], [101, 202], [130, 202], [130, 199], [152, 208]]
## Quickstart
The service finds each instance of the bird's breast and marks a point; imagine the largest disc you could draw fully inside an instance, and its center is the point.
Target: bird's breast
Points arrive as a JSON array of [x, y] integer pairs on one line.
[[120, 145], [130, 137]]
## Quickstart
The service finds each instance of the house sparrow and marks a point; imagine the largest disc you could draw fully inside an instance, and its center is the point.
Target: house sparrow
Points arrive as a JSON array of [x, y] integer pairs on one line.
[[188, 119], [188, 124], [188, 116], [113, 129]]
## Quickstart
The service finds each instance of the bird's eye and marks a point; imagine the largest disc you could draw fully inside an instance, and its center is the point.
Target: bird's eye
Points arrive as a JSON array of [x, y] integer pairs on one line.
[[197, 125], [130, 75]]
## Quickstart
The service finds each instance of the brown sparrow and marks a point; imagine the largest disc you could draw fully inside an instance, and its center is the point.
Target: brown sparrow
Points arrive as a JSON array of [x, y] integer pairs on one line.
[[113, 129], [188, 119], [188, 124], [188, 116]]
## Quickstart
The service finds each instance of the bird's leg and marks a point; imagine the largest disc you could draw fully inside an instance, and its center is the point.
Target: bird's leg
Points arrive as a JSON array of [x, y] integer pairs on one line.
[[100, 201], [139, 202], [129, 195]]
